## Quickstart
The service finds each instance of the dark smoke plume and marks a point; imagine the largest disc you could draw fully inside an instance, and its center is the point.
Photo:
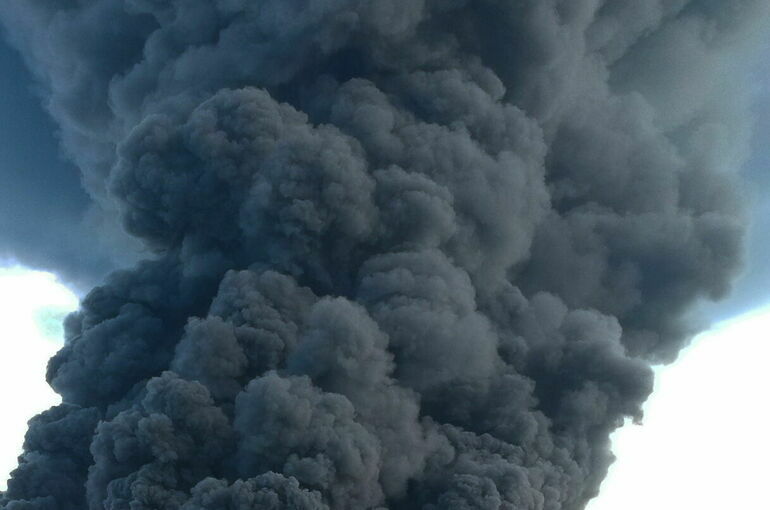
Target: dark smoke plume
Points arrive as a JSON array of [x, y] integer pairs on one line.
[[408, 254]]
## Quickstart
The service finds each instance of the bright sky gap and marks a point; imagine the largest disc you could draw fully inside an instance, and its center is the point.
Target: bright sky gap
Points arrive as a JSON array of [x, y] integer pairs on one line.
[[32, 307]]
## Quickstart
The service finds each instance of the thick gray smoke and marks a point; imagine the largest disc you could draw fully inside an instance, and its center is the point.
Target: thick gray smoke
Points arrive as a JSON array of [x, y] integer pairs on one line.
[[408, 254]]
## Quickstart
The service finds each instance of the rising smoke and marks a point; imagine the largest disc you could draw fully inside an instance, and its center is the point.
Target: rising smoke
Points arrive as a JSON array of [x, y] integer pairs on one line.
[[406, 254]]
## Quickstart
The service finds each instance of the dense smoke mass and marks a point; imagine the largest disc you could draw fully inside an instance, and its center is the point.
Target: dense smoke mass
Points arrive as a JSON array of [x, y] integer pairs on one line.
[[402, 254]]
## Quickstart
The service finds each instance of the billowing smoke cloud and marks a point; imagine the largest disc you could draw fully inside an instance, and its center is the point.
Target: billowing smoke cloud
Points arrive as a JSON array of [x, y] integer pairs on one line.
[[409, 254]]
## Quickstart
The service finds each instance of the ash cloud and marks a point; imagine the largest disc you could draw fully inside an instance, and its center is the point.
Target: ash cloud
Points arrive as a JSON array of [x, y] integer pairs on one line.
[[407, 254]]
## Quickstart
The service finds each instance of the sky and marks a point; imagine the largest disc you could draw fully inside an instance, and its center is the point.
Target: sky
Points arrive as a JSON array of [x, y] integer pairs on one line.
[[32, 166], [42, 201], [32, 307], [752, 289], [703, 443], [673, 451], [32, 303]]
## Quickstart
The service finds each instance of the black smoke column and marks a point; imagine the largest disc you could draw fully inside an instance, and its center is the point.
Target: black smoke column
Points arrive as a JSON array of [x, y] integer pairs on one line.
[[404, 254]]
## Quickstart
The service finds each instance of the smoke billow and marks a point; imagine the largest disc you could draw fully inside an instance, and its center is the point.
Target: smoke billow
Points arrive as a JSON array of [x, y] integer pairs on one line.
[[406, 254]]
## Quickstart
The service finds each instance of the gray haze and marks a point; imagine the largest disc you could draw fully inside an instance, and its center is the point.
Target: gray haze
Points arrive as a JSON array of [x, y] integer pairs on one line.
[[752, 287], [47, 221], [404, 254]]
